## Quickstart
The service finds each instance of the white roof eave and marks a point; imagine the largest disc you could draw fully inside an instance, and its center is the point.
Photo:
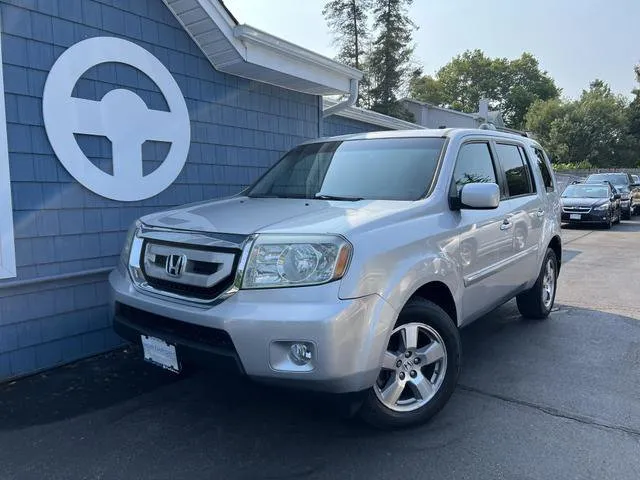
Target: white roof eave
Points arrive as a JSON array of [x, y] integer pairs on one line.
[[250, 53], [373, 118]]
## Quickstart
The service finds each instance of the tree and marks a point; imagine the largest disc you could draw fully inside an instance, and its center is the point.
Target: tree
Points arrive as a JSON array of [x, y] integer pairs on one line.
[[525, 83], [591, 129], [390, 58], [511, 86], [633, 113], [347, 19]]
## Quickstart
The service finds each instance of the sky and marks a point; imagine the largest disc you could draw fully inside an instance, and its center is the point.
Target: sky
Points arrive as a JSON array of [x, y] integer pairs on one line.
[[576, 41]]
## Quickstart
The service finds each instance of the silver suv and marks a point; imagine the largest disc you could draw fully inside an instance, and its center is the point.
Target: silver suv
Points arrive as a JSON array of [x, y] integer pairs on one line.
[[350, 266]]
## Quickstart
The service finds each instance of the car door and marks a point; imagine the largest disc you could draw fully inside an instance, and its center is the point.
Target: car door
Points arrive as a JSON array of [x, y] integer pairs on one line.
[[479, 231], [523, 221]]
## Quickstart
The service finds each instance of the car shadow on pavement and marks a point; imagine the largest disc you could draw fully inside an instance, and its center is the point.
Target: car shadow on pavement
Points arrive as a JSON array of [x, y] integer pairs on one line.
[[131, 403]]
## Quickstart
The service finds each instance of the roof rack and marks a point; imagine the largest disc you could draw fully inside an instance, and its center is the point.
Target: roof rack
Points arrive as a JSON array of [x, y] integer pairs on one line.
[[491, 126], [513, 131]]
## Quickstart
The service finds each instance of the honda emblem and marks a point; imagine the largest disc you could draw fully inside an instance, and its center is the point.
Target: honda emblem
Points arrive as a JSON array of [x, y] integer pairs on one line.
[[175, 265]]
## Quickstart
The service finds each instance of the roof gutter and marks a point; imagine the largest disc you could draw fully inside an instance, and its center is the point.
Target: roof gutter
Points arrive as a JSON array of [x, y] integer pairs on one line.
[[349, 102]]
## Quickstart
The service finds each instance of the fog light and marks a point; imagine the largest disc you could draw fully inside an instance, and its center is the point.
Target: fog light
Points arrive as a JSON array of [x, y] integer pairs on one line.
[[300, 353]]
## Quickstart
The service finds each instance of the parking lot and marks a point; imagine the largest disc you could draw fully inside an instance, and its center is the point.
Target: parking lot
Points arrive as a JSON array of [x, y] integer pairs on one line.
[[556, 399]]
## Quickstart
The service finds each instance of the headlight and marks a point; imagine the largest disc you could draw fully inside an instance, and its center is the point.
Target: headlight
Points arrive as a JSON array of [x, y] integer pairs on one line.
[[602, 207], [292, 261], [126, 250]]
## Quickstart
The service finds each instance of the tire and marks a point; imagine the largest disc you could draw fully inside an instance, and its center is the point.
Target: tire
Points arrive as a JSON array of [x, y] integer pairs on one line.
[[608, 224], [532, 304], [626, 215], [411, 407]]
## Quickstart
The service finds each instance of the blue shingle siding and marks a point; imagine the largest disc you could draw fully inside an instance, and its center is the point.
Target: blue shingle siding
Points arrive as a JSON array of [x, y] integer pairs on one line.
[[238, 129], [337, 125]]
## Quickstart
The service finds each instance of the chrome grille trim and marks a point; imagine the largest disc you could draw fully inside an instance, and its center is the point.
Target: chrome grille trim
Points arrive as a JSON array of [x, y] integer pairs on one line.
[[221, 262], [166, 236], [576, 209]]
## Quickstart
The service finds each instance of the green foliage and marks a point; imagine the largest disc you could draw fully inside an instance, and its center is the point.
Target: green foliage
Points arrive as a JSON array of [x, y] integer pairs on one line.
[[347, 19], [562, 167], [511, 86], [633, 112], [592, 129], [390, 58]]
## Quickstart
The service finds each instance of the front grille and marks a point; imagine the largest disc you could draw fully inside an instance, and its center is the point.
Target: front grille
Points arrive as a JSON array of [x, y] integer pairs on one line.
[[571, 209], [205, 272], [175, 330]]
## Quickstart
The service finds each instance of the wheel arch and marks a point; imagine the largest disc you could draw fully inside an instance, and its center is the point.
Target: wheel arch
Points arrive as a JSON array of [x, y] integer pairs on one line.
[[440, 294], [556, 245]]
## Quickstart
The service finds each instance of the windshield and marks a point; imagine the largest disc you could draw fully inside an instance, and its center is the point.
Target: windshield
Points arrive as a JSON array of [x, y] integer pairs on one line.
[[586, 191], [375, 169], [615, 178]]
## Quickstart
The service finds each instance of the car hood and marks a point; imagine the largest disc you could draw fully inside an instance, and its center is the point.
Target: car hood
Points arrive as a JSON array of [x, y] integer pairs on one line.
[[244, 215], [583, 202]]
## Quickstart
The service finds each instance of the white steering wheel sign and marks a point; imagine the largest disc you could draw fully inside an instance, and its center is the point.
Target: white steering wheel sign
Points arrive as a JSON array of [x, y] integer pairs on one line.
[[121, 116]]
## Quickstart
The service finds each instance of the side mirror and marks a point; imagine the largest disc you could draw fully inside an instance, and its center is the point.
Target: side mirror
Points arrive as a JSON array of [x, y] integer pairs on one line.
[[480, 196]]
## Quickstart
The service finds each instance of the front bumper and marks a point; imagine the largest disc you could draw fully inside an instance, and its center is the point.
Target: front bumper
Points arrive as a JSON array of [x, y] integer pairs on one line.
[[252, 330], [589, 217]]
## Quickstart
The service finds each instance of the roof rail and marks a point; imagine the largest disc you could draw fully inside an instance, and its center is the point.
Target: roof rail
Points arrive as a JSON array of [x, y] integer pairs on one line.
[[513, 131]]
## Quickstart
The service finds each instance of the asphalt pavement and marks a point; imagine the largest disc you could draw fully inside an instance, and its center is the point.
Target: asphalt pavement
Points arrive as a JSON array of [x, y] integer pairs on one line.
[[557, 399]]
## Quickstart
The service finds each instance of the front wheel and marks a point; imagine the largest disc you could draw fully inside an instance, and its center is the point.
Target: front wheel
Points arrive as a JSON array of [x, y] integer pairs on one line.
[[536, 303], [420, 368]]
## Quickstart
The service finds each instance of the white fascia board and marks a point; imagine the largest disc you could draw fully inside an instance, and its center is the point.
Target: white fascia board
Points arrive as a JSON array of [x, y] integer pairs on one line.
[[431, 106], [277, 54], [252, 53], [7, 243], [374, 118]]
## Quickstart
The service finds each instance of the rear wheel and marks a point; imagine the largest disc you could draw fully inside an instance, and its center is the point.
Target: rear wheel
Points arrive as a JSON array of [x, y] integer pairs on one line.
[[420, 368], [537, 302]]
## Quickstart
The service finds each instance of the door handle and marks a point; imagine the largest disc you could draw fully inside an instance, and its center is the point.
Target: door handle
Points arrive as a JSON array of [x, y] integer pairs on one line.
[[506, 224], [540, 213]]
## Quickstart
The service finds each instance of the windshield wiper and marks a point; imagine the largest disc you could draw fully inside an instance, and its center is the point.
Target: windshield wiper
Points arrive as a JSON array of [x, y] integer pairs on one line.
[[338, 197]]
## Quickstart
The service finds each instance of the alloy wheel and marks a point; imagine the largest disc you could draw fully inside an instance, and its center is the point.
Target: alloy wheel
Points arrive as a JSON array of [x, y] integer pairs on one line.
[[548, 284], [413, 368]]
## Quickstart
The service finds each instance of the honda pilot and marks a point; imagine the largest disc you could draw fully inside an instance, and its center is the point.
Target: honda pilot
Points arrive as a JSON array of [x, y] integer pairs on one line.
[[350, 266]]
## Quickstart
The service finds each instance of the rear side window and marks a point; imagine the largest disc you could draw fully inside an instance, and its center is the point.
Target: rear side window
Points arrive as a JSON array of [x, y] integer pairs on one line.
[[544, 169], [515, 169], [474, 165]]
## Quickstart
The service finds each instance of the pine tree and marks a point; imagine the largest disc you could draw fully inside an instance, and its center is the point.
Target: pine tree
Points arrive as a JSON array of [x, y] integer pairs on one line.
[[390, 60], [347, 19]]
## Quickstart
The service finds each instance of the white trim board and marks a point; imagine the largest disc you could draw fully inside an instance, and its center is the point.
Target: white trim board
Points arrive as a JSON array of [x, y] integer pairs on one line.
[[372, 118], [7, 243], [247, 52]]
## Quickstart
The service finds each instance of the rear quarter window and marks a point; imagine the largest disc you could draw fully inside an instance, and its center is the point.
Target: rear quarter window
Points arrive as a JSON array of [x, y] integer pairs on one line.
[[543, 166], [516, 170]]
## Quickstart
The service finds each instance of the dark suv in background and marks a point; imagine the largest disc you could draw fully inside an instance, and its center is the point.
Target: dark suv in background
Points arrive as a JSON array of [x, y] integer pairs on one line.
[[625, 185]]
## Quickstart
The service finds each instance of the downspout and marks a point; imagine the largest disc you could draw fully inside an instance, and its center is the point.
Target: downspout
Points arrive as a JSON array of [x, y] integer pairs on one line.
[[349, 102]]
